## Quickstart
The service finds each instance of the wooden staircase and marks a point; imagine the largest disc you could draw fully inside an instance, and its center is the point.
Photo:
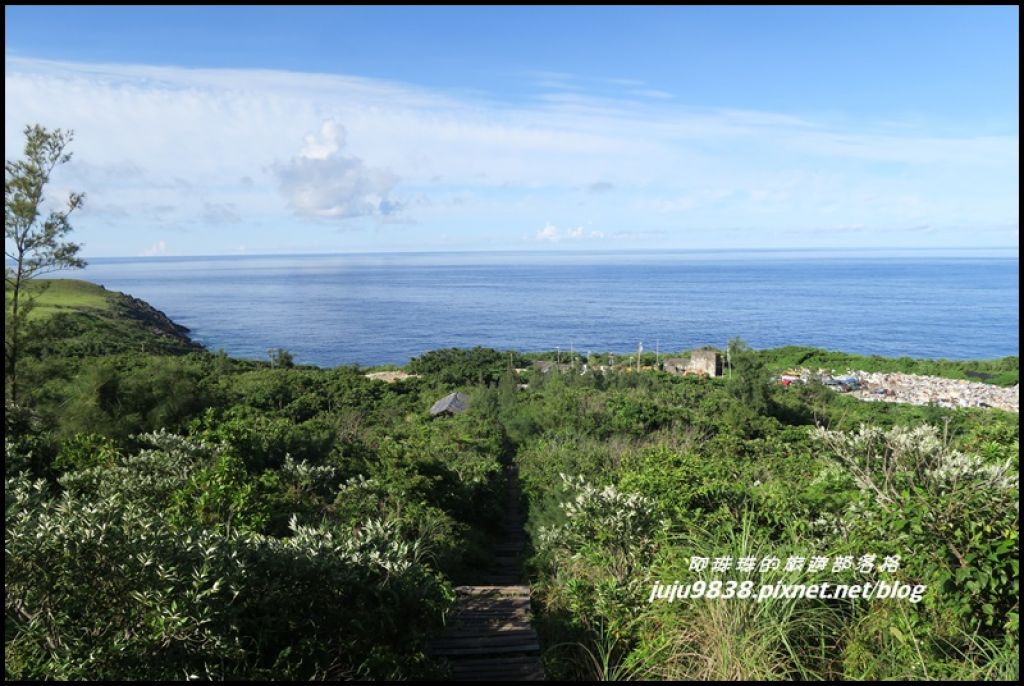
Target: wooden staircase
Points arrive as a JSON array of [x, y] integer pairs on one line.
[[489, 636]]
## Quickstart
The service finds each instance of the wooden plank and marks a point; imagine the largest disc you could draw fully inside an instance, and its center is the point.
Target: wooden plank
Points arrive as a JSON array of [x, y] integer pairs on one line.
[[495, 595], [498, 666], [486, 632], [484, 661], [511, 635], [513, 639], [494, 609], [489, 650], [529, 673], [503, 604], [500, 590], [529, 663], [507, 605], [509, 602], [487, 637], [499, 625]]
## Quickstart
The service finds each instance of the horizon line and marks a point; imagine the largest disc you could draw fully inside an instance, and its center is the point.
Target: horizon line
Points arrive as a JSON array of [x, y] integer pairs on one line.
[[569, 251]]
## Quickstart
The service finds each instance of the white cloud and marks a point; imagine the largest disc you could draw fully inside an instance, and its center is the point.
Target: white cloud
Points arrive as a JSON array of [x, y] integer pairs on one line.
[[322, 182], [212, 145], [549, 233], [158, 248], [553, 234]]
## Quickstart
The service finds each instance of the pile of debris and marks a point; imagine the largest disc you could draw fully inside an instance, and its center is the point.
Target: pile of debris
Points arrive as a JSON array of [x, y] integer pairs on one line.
[[914, 389], [926, 390]]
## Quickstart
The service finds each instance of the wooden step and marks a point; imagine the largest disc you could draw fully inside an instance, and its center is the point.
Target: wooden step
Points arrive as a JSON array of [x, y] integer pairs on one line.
[[522, 648], [509, 638], [519, 591]]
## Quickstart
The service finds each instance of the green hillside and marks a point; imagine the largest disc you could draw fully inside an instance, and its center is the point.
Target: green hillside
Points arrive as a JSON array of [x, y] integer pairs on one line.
[[70, 317]]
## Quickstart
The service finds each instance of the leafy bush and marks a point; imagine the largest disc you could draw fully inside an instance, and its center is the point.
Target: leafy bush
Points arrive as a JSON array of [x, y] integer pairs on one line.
[[455, 366], [952, 515], [104, 584]]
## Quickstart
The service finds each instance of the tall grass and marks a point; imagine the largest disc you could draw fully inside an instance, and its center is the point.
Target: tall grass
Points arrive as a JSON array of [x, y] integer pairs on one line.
[[742, 639]]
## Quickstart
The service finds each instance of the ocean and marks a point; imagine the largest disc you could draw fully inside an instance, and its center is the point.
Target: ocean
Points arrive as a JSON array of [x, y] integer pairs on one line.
[[374, 309]]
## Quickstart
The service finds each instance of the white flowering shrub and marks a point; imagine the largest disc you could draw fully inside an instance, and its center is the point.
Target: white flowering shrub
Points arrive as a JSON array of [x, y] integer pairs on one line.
[[598, 559], [149, 477], [952, 516], [886, 462], [301, 474], [107, 580], [622, 523]]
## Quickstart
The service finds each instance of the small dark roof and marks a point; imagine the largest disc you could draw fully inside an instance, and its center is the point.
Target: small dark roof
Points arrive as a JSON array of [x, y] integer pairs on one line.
[[452, 403]]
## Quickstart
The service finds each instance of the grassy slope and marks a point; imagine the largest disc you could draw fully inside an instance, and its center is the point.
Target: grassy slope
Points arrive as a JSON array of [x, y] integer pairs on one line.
[[52, 296], [73, 317]]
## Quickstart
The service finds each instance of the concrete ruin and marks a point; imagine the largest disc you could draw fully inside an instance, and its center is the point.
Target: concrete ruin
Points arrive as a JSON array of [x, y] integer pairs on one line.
[[674, 365], [705, 363]]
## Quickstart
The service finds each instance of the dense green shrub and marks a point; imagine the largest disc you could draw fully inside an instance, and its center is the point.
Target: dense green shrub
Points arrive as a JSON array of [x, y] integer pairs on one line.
[[456, 366], [953, 516], [225, 553], [104, 584]]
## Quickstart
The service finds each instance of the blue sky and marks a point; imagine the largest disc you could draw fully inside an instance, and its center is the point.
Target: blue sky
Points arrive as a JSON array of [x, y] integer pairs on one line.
[[276, 130]]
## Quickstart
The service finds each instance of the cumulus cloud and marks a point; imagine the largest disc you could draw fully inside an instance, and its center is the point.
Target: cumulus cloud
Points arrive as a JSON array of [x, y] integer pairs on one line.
[[548, 233], [158, 248], [323, 182], [553, 234]]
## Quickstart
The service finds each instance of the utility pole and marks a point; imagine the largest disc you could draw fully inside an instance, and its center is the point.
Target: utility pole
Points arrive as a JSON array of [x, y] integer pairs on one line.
[[639, 351]]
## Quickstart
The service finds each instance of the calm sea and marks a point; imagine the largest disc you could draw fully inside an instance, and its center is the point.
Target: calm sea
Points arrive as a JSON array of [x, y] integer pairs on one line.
[[387, 308]]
